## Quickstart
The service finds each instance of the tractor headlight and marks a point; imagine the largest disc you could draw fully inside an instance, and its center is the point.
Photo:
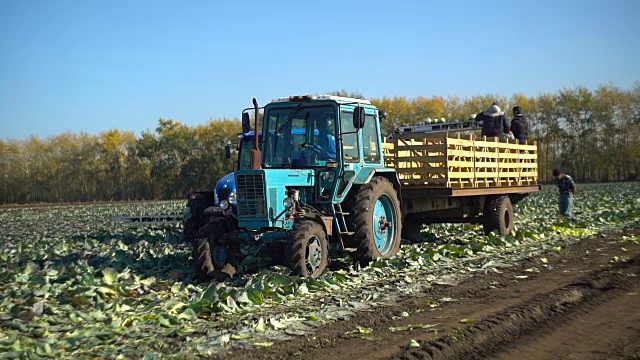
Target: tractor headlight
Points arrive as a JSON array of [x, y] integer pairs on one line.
[[224, 204], [232, 197], [288, 203]]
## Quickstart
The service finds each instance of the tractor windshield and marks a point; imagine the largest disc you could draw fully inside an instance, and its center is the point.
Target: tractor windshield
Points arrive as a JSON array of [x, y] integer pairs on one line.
[[300, 136]]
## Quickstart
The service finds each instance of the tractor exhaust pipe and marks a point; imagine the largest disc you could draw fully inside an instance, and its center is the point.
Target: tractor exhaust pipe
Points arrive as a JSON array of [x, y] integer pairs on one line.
[[256, 154]]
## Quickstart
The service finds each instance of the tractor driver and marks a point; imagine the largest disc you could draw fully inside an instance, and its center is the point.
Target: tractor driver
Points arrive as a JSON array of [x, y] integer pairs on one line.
[[325, 140]]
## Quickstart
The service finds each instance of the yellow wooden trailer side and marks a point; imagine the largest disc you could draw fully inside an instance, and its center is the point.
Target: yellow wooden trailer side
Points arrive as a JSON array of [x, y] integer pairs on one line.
[[455, 161]]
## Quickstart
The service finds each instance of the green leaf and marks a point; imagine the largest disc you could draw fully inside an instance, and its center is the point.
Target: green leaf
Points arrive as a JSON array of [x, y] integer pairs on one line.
[[276, 324], [98, 315], [16, 346], [109, 275], [107, 292], [122, 246], [31, 268], [260, 326], [164, 320], [188, 314]]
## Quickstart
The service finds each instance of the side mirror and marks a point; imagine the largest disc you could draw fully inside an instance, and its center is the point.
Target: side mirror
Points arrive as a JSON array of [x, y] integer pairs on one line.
[[246, 123], [382, 115], [227, 150], [358, 118]]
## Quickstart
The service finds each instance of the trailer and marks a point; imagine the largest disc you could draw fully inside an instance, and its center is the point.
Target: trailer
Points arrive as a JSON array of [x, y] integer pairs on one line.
[[453, 176]]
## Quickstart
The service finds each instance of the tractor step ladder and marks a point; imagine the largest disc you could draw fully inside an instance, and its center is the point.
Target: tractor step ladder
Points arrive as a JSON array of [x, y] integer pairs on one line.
[[342, 224]]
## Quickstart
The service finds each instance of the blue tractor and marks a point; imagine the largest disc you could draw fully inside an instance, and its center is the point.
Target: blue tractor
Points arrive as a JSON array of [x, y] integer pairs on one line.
[[304, 189], [204, 220]]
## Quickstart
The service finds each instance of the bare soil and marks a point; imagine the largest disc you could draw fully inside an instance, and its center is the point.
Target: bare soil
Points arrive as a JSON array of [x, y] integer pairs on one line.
[[584, 303]]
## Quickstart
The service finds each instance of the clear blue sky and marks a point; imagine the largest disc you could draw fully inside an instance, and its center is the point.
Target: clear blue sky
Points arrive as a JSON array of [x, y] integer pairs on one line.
[[91, 65]]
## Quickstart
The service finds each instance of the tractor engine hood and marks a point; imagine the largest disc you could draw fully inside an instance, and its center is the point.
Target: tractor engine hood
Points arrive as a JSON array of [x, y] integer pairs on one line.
[[260, 195]]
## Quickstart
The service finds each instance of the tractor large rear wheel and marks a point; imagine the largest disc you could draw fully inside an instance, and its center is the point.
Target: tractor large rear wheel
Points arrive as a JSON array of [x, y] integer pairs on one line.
[[307, 250], [375, 221]]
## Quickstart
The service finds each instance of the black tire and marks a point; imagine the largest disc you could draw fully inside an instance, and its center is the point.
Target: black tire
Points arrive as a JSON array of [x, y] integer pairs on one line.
[[199, 209], [412, 229], [207, 243], [276, 251], [202, 264], [498, 215], [307, 249], [378, 191]]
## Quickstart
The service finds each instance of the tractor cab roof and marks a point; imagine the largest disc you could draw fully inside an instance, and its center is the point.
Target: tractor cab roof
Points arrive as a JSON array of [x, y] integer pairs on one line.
[[338, 99]]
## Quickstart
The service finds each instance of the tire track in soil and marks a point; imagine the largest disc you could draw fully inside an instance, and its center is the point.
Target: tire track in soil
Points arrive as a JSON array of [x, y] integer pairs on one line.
[[531, 318], [518, 318]]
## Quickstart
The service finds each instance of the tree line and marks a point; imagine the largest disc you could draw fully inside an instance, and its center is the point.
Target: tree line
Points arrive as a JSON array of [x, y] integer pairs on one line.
[[594, 135]]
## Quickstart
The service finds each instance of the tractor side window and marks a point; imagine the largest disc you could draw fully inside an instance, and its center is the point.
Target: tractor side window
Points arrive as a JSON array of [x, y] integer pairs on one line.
[[244, 158], [370, 140], [349, 141]]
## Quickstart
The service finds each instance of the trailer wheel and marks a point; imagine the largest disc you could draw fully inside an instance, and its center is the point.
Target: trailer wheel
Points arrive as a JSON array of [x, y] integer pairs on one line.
[[307, 250], [498, 215], [376, 223], [209, 251]]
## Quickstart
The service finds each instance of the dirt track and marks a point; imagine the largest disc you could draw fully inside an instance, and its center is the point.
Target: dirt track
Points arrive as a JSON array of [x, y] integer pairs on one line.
[[581, 303]]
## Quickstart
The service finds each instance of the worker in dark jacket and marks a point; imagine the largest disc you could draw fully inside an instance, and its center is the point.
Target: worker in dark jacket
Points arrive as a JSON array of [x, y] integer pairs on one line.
[[494, 122], [568, 190], [519, 126]]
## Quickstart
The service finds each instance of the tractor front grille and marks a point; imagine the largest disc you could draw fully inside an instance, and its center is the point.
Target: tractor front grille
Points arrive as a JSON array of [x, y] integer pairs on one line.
[[251, 200]]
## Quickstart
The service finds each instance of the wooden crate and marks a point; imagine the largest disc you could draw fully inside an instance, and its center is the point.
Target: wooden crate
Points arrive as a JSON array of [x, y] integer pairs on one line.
[[456, 161], [486, 162], [420, 161], [460, 162], [529, 164]]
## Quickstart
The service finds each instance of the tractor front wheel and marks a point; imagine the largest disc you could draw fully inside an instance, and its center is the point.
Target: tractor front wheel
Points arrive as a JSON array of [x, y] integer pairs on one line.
[[307, 250]]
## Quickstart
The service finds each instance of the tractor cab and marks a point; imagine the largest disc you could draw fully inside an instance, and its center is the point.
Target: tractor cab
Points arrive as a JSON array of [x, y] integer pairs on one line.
[[309, 173]]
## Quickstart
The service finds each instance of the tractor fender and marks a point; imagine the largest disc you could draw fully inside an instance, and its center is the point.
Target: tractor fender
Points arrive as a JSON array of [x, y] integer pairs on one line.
[[325, 221], [366, 174], [392, 176]]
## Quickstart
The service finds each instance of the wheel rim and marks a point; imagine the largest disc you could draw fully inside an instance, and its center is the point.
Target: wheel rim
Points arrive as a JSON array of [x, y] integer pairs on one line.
[[314, 255], [507, 220], [219, 256], [384, 224]]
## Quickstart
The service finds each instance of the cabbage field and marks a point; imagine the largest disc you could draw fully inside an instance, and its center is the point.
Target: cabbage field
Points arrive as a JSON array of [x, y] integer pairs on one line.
[[76, 283]]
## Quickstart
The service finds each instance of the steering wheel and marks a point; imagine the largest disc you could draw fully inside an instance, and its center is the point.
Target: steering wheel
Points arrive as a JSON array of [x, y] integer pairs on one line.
[[315, 148]]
